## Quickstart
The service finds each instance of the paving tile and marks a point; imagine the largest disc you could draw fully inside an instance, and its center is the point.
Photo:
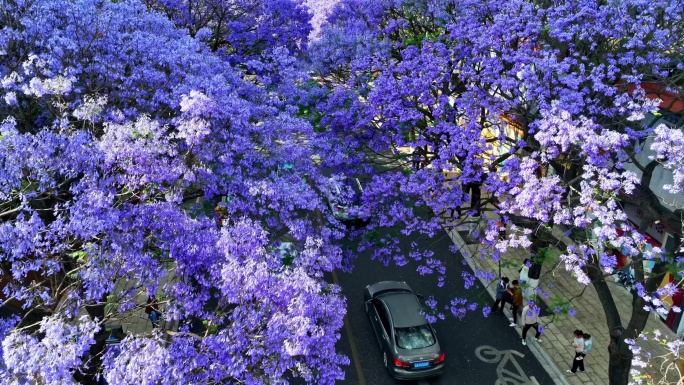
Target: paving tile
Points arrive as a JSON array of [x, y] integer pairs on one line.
[[574, 379], [135, 321], [551, 337], [558, 346]]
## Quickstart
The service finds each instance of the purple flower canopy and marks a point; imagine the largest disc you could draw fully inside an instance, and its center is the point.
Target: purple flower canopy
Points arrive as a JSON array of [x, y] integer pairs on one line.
[[537, 107], [119, 133], [532, 112], [177, 144]]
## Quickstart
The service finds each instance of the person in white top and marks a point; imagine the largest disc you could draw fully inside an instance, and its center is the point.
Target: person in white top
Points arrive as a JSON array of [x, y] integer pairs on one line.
[[530, 318], [524, 272], [578, 345]]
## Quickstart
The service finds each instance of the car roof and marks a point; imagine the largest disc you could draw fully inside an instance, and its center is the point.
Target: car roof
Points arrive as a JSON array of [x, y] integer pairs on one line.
[[352, 182], [404, 308], [382, 287]]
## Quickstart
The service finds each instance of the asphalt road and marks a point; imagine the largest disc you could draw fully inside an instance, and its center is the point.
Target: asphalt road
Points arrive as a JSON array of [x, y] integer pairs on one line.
[[468, 343]]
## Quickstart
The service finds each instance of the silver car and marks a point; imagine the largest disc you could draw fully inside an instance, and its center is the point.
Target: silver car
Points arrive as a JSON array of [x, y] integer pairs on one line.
[[344, 198], [409, 345]]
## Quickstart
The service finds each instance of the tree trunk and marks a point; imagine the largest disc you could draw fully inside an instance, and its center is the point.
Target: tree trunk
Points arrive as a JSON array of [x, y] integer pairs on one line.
[[618, 364], [619, 353], [88, 374], [620, 361]]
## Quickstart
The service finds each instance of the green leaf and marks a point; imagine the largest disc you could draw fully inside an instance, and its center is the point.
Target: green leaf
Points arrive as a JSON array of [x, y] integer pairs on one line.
[[287, 259], [78, 255], [372, 236]]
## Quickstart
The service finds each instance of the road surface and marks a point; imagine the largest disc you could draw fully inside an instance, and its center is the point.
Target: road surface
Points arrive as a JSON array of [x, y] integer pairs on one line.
[[479, 350]]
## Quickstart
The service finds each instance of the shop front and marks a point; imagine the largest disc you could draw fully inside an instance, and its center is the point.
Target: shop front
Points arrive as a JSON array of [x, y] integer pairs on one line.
[[656, 235]]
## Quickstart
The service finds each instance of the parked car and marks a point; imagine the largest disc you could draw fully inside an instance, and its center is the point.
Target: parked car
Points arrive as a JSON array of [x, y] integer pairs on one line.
[[409, 345], [344, 199]]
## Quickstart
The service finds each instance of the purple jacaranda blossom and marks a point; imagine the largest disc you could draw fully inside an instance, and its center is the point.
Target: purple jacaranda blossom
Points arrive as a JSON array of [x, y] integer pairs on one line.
[[122, 132], [243, 29], [136, 131], [52, 358], [486, 310], [669, 146], [469, 279]]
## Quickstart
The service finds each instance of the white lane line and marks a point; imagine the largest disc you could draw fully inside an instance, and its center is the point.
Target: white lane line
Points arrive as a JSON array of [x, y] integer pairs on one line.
[[350, 336]]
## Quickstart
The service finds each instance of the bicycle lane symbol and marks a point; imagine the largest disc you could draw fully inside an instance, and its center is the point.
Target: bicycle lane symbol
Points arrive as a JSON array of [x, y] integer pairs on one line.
[[505, 358]]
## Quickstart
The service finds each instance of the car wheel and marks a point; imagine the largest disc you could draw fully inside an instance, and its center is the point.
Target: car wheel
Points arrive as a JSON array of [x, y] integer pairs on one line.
[[365, 305], [384, 359]]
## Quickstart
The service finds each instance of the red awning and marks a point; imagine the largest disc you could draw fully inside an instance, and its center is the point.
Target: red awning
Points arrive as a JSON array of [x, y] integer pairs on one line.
[[670, 101]]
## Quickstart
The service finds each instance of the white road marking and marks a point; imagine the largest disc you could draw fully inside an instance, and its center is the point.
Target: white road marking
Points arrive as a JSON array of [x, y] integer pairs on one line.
[[505, 358]]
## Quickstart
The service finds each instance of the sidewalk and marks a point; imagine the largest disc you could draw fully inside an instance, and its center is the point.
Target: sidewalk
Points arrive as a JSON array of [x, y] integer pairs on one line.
[[555, 352], [135, 321]]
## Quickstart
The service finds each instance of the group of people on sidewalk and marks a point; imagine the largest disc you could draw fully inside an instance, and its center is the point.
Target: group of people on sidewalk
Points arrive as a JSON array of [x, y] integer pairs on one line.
[[509, 292]]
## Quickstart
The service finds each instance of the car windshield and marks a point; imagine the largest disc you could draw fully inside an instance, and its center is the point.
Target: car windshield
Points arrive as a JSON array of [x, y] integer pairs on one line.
[[347, 193], [355, 199], [415, 337]]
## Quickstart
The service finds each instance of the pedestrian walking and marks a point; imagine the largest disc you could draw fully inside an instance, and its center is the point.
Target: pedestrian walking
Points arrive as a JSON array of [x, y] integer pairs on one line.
[[415, 159], [501, 228], [152, 310], [584, 344], [474, 190], [507, 297], [517, 301], [500, 289], [578, 346], [530, 318]]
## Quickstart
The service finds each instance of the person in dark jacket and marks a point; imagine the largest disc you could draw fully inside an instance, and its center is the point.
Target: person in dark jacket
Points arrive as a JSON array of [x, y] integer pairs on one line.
[[152, 310], [501, 288]]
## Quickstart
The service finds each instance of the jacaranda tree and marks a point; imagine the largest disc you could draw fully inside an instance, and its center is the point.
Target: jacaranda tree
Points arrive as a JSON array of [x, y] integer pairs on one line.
[[123, 123], [117, 130], [241, 30], [529, 110]]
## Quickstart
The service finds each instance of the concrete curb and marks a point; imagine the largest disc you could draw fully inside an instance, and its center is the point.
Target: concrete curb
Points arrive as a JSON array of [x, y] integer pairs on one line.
[[535, 348]]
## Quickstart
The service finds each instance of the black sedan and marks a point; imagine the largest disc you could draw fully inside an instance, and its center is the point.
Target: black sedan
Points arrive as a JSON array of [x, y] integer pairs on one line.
[[408, 342]]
